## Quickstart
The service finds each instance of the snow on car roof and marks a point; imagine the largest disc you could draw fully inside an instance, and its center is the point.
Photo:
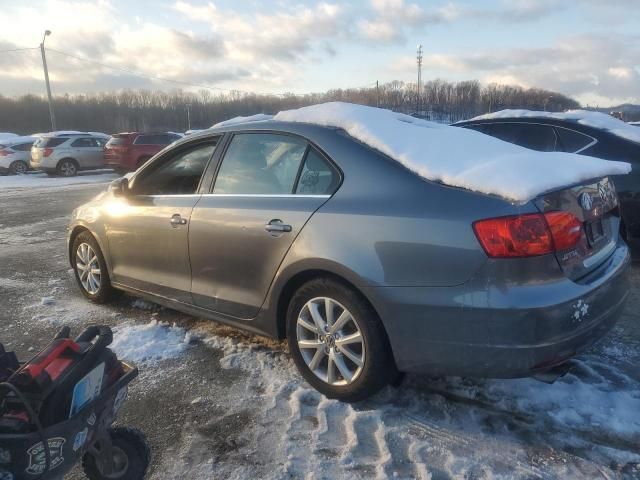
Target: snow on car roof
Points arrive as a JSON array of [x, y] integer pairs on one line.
[[583, 117], [456, 156], [5, 135], [258, 117]]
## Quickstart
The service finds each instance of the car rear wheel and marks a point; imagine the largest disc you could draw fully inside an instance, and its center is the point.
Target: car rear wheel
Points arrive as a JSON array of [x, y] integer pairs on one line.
[[67, 167], [18, 167], [91, 269], [337, 341]]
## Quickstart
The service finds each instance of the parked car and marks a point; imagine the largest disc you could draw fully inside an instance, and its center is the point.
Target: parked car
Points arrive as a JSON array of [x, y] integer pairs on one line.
[[125, 152], [15, 154], [587, 133], [303, 231], [65, 154]]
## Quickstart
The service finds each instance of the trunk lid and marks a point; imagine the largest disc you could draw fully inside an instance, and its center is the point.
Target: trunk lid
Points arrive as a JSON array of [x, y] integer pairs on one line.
[[595, 205]]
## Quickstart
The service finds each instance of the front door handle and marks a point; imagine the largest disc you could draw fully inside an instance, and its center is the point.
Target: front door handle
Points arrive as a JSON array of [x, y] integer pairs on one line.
[[178, 220], [276, 226]]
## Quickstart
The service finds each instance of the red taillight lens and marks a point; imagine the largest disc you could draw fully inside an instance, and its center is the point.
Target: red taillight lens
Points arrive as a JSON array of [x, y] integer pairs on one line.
[[518, 236], [528, 235], [566, 229], [47, 152], [4, 153]]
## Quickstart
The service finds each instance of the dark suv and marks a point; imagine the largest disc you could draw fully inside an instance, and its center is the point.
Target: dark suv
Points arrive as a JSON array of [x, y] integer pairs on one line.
[[546, 132], [125, 152]]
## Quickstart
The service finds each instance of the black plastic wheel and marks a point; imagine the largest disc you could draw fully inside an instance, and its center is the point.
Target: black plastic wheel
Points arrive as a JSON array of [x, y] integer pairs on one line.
[[90, 269], [337, 341], [132, 456]]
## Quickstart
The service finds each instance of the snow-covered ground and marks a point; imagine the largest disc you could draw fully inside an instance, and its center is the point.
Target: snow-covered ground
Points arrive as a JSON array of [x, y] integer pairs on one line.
[[42, 180], [218, 403]]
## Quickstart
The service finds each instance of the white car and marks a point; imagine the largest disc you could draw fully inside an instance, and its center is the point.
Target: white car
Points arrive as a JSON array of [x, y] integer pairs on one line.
[[15, 154], [65, 154]]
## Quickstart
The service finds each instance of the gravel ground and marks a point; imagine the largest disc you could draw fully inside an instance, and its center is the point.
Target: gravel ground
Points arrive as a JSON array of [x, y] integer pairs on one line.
[[218, 403]]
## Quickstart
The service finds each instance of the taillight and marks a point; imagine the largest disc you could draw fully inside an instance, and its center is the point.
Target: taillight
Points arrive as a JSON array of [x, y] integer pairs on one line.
[[528, 235], [4, 153], [47, 152], [566, 229]]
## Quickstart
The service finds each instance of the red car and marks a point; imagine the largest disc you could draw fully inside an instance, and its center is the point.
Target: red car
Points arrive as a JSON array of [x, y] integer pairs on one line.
[[125, 152]]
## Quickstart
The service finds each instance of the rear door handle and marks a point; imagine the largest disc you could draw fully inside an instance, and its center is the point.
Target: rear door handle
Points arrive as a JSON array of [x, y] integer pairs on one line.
[[178, 220], [276, 226]]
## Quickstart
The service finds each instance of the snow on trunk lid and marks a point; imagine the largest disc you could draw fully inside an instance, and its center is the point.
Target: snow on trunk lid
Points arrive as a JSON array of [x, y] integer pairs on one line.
[[595, 205]]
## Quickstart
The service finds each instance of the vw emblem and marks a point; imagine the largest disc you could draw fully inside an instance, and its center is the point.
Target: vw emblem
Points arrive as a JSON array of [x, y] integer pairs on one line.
[[585, 201]]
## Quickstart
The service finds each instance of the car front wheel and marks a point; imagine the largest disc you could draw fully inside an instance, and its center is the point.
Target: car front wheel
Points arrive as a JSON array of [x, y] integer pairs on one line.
[[91, 269], [337, 341]]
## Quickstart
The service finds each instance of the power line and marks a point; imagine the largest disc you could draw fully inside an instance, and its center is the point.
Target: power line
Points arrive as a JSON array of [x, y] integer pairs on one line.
[[18, 49], [142, 75]]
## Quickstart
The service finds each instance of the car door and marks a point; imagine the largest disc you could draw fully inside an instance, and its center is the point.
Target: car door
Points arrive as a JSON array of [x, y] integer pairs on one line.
[[267, 186], [147, 230]]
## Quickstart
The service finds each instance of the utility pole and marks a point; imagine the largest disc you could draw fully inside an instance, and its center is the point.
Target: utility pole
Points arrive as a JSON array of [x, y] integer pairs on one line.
[[377, 94], [46, 79], [419, 58], [188, 116]]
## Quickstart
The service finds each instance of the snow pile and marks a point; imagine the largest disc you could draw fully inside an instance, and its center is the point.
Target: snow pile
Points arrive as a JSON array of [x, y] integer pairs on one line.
[[258, 117], [456, 156], [149, 343], [583, 117]]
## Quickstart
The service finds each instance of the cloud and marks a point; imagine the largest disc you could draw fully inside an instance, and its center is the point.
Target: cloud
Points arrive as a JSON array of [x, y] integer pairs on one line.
[[588, 66]]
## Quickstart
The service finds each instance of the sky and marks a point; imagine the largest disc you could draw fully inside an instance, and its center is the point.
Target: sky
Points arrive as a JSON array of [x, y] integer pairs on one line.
[[588, 49]]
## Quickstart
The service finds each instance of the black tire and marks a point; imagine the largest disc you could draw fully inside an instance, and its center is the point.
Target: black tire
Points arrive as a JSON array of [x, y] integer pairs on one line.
[[378, 368], [18, 167], [129, 442], [105, 292], [67, 167]]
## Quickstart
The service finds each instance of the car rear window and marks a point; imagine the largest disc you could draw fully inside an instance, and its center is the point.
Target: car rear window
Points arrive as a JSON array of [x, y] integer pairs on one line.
[[159, 139], [115, 141], [49, 142], [572, 141]]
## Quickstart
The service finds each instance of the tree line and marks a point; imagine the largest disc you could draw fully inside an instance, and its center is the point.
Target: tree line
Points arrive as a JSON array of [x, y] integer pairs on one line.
[[145, 110]]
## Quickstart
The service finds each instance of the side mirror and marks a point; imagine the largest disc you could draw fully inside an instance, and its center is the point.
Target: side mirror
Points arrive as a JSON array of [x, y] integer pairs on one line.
[[119, 187]]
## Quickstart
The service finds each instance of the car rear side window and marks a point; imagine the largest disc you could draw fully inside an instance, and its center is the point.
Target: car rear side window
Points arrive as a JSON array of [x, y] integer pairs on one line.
[[318, 176], [116, 141], [52, 142], [260, 163], [177, 174], [529, 135], [22, 147], [84, 143], [159, 139], [572, 141]]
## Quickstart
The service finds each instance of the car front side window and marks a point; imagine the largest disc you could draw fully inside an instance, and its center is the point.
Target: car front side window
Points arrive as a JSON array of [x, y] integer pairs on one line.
[[177, 174], [260, 163]]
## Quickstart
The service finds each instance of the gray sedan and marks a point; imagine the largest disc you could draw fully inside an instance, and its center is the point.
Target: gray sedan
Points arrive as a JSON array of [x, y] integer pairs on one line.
[[299, 231]]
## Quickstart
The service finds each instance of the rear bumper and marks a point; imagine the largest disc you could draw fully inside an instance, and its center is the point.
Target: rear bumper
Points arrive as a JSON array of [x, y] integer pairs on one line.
[[489, 329]]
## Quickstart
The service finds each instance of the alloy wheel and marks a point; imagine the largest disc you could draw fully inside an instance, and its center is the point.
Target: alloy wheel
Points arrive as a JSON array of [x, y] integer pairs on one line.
[[88, 268], [19, 167], [68, 169], [330, 341]]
